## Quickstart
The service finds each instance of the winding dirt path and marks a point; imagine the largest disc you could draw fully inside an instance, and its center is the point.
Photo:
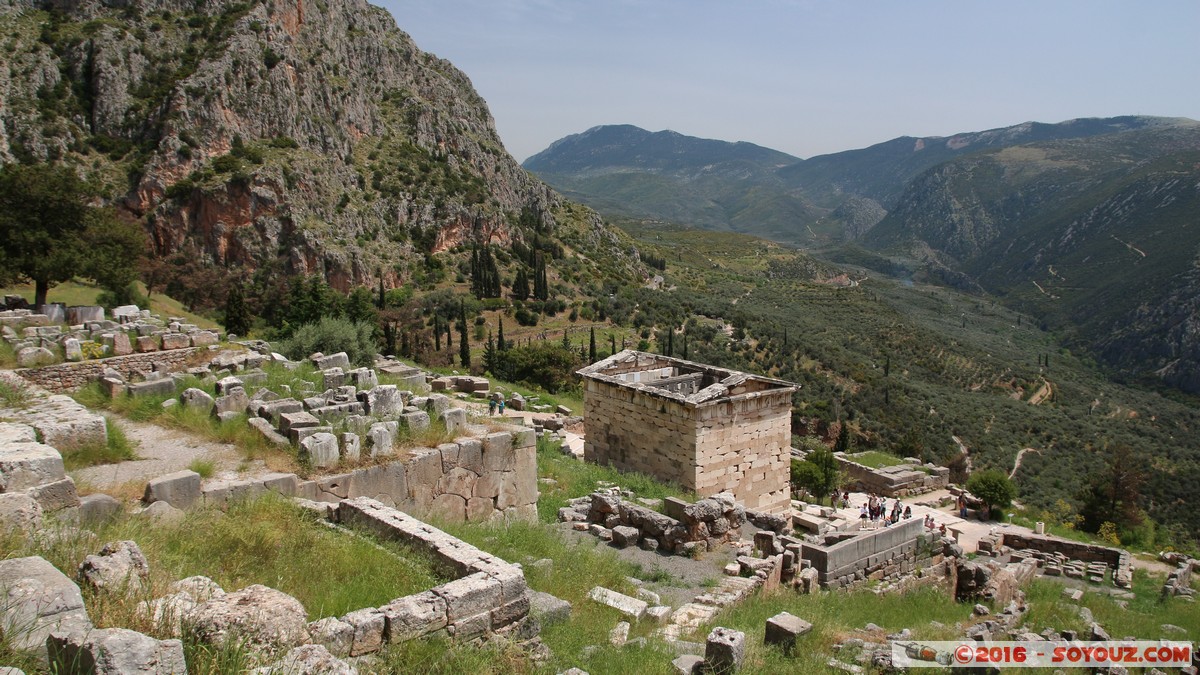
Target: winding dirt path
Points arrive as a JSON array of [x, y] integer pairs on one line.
[[160, 451], [1017, 463]]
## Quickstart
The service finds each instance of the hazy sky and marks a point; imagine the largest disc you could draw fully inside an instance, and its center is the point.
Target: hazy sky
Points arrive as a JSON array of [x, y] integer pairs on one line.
[[807, 77]]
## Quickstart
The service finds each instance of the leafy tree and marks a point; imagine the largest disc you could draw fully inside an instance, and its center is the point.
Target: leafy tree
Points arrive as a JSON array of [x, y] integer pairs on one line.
[[818, 472], [237, 316], [544, 364], [49, 233], [331, 335], [360, 306], [993, 487], [842, 444], [490, 356]]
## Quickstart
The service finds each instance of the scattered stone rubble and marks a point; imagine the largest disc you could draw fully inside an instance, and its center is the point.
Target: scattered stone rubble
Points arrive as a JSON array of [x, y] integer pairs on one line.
[[1179, 581], [1062, 557], [690, 529], [33, 482], [79, 333]]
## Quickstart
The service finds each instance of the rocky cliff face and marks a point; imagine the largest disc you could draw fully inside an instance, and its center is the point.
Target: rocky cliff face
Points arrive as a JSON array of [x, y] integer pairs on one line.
[[309, 132]]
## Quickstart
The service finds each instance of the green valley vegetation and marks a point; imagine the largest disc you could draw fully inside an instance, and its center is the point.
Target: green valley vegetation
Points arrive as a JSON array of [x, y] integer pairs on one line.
[[922, 371]]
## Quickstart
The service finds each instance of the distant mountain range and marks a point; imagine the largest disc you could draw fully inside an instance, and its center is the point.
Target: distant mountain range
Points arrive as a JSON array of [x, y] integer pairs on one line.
[[742, 187], [1088, 224]]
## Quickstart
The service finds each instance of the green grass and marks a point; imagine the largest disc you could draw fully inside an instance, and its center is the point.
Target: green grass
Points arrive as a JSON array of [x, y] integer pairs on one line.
[[13, 394], [875, 459], [205, 467], [1143, 617], [576, 569], [118, 448], [573, 478], [835, 616], [266, 541]]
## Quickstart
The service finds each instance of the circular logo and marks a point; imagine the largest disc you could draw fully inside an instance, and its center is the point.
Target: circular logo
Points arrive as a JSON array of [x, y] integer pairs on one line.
[[963, 654]]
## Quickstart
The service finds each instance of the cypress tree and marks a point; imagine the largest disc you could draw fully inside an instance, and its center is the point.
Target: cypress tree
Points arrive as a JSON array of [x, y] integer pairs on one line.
[[592, 346], [520, 287], [685, 344], [671, 341], [237, 317], [566, 341], [464, 346], [489, 355], [382, 300], [437, 334], [449, 336], [612, 343], [502, 346]]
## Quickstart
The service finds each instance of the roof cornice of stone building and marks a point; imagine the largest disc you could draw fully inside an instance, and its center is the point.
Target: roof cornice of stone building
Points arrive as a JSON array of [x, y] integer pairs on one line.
[[712, 384]]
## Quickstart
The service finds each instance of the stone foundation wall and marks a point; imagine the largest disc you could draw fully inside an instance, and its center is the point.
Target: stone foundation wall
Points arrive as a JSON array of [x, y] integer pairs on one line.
[[71, 376], [883, 554], [488, 595], [1075, 550], [894, 481], [471, 479]]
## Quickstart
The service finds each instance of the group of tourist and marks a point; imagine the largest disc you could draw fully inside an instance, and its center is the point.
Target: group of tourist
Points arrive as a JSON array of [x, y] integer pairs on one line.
[[875, 511]]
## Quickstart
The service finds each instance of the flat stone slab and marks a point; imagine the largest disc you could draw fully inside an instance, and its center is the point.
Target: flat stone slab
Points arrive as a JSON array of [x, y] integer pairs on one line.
[[619, 601]]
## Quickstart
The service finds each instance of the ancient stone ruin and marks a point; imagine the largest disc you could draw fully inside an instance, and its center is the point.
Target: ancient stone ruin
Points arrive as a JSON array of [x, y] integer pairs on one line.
[[709, 429]]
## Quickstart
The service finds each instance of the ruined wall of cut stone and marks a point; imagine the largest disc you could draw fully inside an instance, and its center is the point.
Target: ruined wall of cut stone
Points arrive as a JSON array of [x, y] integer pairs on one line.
[[635, 431], [1076, 550], [743, 446], [471, 479], [70, 376], [896, 481], [488, 595], [883, 554]]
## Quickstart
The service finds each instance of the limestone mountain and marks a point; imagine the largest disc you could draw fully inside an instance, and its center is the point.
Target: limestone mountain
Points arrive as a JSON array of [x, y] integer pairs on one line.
[[746, 188], [1096, 236], [311, 136], [717, 185]]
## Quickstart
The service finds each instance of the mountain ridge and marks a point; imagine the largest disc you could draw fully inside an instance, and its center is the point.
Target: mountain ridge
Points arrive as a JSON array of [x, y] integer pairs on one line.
[[313, 138]]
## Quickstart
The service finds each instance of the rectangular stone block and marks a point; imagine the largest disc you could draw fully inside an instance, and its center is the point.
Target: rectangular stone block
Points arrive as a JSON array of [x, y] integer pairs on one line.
[[472, 595], [26, 465], [414, 615]]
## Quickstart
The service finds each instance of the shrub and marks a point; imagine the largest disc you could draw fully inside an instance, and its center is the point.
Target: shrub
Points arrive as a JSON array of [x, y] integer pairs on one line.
[[546, 365], [331, 335], [993, 487]]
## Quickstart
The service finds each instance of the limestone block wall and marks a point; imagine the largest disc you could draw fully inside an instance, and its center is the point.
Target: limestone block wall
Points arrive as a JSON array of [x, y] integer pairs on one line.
[[471, 479], [636, 431], [69, 376], [488, 595], [1075, 550], [743, 446], [886, 553], [740, 445]]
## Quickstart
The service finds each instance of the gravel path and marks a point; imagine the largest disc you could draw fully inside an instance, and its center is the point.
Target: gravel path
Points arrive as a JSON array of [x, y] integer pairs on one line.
[[161, 451]]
